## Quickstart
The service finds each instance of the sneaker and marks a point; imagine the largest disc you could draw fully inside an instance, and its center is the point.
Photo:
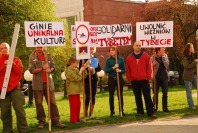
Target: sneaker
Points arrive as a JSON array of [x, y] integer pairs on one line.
[[153, 116], [60, 125], [139, 114], [112, 114], [155, 110], [41, 125], [81, 121], [166, 110], [77, 123], [192, 108]]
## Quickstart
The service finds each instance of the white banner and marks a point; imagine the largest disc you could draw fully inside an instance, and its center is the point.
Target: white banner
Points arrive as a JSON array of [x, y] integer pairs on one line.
[[155, 34], [42, 34], [107, 35]]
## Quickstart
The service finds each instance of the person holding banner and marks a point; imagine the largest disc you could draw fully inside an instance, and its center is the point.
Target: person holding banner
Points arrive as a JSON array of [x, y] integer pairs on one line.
[[39, 68], [160, 60], [14, 96], [112, 69], [189, 62], [93, 71], [138, 72], [74, 88]]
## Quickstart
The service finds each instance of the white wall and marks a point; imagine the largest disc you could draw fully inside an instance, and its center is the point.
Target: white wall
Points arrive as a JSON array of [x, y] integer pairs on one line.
[[68, 8]]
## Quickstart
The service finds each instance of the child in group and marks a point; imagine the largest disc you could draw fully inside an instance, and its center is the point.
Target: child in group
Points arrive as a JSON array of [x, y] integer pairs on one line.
[[74, 87]]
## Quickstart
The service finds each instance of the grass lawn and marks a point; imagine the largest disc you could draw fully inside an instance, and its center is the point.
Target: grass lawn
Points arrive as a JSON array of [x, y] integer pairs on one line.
[[176, 101]]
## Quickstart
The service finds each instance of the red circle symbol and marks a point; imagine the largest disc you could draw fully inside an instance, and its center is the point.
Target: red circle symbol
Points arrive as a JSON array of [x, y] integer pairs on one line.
[[82, 34]]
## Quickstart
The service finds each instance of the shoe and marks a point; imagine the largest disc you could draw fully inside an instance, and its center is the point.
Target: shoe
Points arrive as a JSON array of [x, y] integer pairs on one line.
[[166, 110], [41, 125], [112, 114], [192, 108], [139, 114], [153, 116], [77, 123], [60, 125], [154, 110], [28, 106]]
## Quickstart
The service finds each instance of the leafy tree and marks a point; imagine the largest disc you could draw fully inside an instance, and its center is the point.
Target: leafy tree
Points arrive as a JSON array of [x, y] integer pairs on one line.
[[18, 11]]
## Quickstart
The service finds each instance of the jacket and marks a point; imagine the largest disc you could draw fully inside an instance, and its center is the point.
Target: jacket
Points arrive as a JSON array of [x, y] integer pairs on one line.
[[15, 75], [138, 69], [74, 81], [164, 60], [35, 62], [110, 62], [189, 68]]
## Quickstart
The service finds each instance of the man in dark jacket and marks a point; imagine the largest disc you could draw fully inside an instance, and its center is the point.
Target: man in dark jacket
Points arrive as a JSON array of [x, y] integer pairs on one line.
[[161, 62]]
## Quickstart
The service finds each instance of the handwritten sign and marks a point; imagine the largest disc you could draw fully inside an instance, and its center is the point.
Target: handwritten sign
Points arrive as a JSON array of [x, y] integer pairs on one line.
[[107, 35], [40, 34], [155, 34]]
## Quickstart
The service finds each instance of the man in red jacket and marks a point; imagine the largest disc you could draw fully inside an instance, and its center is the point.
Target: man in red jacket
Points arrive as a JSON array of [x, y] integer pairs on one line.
[[14, 96], [138, 72]]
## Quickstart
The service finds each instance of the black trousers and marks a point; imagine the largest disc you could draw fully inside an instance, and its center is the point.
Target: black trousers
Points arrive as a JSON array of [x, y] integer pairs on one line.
[[164, 85], [31, 92], [139, 88], [87, 89], [112, 85]]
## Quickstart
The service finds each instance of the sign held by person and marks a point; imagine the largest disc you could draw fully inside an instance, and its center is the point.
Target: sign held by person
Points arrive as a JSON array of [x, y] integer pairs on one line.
[[106, 35], [155, 34], [82, 40], [42, 34]]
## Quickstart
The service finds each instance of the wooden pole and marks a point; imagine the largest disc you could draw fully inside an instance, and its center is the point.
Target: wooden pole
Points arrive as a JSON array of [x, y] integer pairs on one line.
[[154, 83], [48, 90], [197, 65], [83, 90], [90, 94], [118, 84]]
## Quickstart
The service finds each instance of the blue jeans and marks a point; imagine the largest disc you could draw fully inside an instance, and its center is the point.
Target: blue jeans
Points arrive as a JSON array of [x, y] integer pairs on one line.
[[194, 80], [188, 85]]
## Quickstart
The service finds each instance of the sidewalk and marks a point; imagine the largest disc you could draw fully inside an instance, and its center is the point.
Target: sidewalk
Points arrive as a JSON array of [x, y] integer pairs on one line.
[[184, 125], [180, 125]]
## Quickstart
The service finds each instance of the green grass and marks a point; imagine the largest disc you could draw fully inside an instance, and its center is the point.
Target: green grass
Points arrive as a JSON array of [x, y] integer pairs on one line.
[[176, 101]]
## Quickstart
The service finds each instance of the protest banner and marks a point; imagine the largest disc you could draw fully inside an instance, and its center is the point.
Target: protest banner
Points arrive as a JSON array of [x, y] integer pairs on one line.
[[42, 34], [155, 34], [107, 35]]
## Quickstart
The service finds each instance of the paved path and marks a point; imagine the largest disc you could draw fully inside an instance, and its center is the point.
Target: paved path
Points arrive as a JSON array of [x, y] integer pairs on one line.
[[185, 125]]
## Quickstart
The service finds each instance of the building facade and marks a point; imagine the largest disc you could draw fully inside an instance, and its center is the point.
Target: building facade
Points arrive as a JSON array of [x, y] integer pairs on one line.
[[100, 12]]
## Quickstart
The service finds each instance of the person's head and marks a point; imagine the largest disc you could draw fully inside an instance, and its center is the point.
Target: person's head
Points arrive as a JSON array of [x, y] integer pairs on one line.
[[188, 50], [112, 51], [92, 50], [5, 48], [160, 51], [39, 50], [73, 62], [137, 47]]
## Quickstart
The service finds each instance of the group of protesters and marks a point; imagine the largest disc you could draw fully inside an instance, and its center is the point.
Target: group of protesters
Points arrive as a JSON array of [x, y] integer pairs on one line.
[[139, 68]]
